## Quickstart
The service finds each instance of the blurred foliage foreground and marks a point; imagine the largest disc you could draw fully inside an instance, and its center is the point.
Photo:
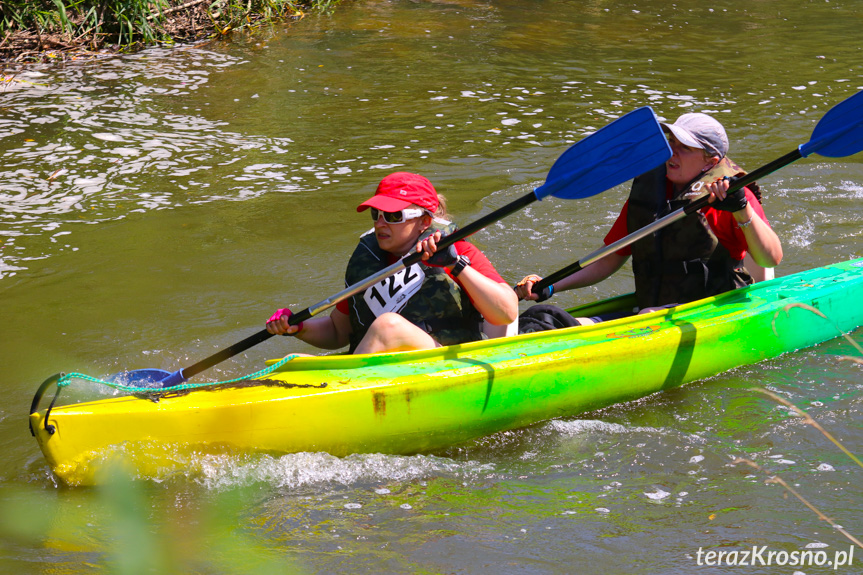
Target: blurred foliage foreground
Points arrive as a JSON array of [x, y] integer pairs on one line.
[[43, 30]]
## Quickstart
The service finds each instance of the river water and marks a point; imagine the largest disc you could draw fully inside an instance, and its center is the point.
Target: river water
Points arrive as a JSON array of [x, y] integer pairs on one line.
[[157, 207]]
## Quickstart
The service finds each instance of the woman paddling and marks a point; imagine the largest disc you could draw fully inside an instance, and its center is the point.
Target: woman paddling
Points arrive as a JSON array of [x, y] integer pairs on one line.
[[698, 256], [439, 302]]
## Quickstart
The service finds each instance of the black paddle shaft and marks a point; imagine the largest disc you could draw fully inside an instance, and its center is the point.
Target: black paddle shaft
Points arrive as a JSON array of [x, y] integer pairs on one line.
[[476, 226], [698, 204], [307, 313], [226, 353]]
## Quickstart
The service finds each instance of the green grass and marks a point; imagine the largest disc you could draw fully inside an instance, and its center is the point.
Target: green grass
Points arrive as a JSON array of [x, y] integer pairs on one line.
[[134, 23], [121, 21]]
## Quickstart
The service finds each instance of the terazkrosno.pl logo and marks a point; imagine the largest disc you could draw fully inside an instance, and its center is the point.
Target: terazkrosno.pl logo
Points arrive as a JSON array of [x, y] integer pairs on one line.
[[756, 556]]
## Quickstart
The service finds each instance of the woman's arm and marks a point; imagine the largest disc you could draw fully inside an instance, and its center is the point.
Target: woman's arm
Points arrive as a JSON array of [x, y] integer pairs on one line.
[[761, 241], [329, 332], [496, 301], [594, 273]]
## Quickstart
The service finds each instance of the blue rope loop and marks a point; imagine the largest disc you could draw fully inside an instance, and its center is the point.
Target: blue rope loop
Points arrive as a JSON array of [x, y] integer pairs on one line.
[[66, 379]]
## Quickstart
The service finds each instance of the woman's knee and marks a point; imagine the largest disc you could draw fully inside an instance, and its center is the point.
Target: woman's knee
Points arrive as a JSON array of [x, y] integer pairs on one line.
[[392, 332], [389, 322]]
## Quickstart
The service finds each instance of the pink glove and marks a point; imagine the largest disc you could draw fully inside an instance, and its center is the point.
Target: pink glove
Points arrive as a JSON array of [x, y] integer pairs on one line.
[[285, 312]]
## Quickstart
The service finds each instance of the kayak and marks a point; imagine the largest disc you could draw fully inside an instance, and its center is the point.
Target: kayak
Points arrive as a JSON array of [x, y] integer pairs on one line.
[[422, 401]]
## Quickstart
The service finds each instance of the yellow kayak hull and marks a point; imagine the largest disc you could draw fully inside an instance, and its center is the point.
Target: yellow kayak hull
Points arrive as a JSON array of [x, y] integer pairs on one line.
[[414, 402]]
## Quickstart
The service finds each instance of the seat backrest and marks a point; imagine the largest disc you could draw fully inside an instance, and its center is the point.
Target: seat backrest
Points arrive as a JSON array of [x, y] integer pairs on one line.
[[758, 273]]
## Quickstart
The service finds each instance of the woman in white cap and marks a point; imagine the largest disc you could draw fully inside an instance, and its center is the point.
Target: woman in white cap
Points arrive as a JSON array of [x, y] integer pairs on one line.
[[439, 302], [697, 256]]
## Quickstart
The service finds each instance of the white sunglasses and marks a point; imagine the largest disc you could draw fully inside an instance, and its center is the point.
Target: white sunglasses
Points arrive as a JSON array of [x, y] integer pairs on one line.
[[398, 217]]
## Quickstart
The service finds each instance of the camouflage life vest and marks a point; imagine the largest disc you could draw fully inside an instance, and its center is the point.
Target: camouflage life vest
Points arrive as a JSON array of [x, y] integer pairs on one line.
[[425, 296], [683, 261]]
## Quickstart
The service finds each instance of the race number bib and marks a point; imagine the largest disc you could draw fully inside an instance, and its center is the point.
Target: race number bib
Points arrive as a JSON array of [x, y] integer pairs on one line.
[[392, 293]]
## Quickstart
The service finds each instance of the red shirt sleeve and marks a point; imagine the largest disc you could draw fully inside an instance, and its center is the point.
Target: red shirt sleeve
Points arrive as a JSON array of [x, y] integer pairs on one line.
[[478, 261], [344, 306], [619, 231]]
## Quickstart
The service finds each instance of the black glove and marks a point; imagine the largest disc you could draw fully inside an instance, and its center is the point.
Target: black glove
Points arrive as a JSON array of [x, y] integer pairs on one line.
[[443, 258], [733, 202], [546, 293]]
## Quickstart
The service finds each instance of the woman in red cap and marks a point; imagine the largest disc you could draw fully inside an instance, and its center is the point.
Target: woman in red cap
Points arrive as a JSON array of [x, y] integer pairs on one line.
[[439, 302], [695, 257]]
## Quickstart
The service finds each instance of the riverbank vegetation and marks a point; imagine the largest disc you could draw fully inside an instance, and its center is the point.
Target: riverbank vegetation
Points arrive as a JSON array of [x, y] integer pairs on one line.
[[46, 30]]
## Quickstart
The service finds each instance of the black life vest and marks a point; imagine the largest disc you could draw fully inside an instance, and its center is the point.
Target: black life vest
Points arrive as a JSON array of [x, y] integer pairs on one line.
[[683, 261], [425, 296]]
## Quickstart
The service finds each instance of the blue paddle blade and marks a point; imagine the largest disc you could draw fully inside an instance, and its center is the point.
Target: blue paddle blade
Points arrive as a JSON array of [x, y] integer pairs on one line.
[[140, 377], [627, 147], [840, 131], [172, 379]]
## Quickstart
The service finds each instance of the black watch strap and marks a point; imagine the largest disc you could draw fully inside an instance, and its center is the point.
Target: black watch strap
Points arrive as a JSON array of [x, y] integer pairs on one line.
[[461, 263]]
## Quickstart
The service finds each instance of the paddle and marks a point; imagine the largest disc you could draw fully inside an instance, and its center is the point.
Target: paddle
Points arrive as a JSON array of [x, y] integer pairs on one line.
[[616, 153], [838, 134]]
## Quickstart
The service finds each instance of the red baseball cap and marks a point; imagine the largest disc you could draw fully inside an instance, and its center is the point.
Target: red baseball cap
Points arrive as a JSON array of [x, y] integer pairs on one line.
[[401, 189]]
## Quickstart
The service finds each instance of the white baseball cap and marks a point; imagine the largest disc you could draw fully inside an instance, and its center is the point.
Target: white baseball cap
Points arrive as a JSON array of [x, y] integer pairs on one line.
[[700, 131]]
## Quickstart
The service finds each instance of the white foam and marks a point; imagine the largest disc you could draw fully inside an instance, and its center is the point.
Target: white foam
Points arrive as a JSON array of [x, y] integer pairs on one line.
[[300, 469]]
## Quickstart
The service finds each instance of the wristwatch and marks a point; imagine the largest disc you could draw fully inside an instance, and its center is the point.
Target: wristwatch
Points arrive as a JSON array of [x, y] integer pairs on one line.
[[460, 263]]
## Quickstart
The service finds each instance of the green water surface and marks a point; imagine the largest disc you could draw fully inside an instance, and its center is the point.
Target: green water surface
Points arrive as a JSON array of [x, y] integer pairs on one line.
[[157, 207]]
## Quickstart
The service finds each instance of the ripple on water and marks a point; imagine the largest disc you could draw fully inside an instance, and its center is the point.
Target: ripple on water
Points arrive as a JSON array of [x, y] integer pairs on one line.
[[126, 143], [123, 148]]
